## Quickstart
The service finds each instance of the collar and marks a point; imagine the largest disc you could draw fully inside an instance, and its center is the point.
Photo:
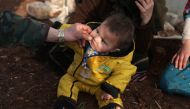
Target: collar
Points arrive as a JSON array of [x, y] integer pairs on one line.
[[121, 53]]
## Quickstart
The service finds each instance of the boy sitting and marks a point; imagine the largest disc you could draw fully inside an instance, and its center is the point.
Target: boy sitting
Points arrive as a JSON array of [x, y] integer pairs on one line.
[[103, 68]]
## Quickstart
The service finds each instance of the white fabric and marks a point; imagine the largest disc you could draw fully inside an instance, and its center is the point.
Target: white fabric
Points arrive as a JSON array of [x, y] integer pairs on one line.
[[55, 10], [65, 7], [186, 30], [38, 10]]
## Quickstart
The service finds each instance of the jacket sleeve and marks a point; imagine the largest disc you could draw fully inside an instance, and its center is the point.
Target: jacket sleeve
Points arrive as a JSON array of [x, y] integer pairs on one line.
[[119, 79], [144, 33], [147, 32]]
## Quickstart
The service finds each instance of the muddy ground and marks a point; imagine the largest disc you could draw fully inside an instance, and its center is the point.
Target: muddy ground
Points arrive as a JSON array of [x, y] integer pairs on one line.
[[29, 81]]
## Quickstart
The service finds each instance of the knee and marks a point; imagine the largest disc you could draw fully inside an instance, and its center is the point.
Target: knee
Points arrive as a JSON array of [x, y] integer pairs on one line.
[[175, 81]]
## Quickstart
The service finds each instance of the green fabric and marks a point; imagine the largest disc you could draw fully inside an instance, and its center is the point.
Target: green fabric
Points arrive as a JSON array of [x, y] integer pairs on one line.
[[17, 30]]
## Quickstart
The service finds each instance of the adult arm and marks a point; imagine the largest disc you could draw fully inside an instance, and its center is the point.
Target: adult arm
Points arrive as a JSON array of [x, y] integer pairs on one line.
[[180, 59], [17, 30]]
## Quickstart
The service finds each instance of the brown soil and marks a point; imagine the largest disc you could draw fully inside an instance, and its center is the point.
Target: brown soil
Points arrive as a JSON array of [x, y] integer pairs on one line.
[[28, 81]]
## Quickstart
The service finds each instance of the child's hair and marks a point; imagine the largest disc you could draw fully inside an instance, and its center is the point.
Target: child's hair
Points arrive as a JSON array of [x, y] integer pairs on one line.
[[122, 27]]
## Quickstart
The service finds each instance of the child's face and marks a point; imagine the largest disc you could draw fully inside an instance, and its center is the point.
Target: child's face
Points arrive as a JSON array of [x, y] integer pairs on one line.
[[103, 40]]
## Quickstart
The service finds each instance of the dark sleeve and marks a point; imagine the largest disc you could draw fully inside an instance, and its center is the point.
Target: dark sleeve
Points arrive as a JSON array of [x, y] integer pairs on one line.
[[144, 34], [143, 37], [110, 89]]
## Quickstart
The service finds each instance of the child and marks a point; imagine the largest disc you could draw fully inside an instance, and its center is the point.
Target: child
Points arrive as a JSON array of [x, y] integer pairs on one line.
[[103, 68]]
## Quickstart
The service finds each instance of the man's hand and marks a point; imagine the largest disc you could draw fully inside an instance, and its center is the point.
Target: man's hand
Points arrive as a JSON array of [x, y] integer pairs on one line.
[[146, 10], [77, 31], [181, 57], [106, 96]]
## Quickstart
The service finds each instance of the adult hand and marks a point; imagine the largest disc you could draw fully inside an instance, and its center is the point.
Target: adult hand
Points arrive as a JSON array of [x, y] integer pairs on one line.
[[77, 31], [146, 10], [181, 57], [82, 43]]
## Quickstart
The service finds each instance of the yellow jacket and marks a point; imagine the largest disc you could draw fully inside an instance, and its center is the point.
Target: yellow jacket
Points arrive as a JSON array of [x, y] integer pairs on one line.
[[112, 72]]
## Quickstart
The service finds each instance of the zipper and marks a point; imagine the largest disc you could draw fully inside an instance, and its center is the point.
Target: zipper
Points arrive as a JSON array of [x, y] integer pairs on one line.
[[77, 68], [72, 88], [79, 64]]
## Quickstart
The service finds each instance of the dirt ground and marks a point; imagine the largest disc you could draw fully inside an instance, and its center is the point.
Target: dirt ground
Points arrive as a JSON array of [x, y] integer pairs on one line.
[[28, 80]]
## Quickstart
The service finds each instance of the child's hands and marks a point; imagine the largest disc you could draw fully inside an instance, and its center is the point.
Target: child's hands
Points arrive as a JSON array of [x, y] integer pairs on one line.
[[106, 96], [77, 31]]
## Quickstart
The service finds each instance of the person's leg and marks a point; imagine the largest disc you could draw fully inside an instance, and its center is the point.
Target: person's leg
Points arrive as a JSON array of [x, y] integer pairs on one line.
[[67, 93], [175, 81]]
